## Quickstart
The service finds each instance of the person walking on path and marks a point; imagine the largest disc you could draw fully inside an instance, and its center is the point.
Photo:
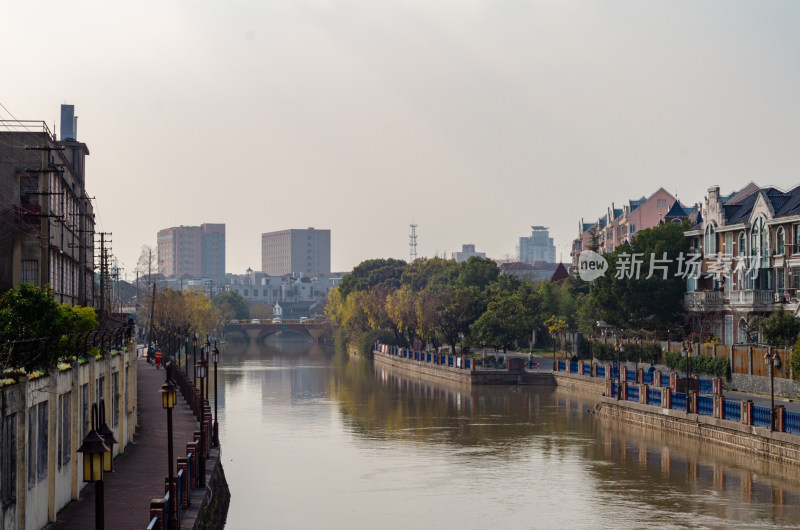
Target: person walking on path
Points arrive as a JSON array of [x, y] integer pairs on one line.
[[159, 356]]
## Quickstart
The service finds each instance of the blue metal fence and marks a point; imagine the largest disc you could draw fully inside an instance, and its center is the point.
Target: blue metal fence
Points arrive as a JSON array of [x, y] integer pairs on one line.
[[601, 371], [732, 410], [467, 364], [647, 378], [630, 375], [760, 416], [654, 396], [791, 422], [587, 369], [706, 386], [562, 366], [613, 389], [705, 405], [677, 401], [632, 393], [573, 368], [665, 380]]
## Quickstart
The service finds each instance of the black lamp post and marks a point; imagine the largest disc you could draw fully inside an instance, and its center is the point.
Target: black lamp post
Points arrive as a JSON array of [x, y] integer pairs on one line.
[[555, 367], [618, 347], [93, 448], [206, 355], [687, 348], [215, 360], [186, 352], [200, 372], [194, 357], [168, 402], [771, 358], [108, 437]]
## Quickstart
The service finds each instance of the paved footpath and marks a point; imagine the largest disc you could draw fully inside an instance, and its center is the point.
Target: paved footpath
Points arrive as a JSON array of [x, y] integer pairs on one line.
[[139, 474]]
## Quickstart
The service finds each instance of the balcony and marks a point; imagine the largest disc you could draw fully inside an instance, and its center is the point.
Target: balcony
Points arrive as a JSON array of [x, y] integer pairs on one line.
[[751, 300]]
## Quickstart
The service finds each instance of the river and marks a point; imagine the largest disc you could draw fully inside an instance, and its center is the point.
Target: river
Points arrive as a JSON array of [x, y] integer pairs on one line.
[[312, 439]]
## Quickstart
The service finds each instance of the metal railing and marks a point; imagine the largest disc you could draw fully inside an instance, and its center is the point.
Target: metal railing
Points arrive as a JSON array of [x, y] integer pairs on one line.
[[732, 410], [705, 405], [791, 421], [654, 396], [677, 401], [761, 416], [647, 378], [632, 393]]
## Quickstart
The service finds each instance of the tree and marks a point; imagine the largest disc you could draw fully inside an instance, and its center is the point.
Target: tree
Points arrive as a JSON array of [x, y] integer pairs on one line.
[[232, 305], [147, 265], [402, 311], [35, 331], [372, 273], [457, 308], [780, 328], [631, 301]]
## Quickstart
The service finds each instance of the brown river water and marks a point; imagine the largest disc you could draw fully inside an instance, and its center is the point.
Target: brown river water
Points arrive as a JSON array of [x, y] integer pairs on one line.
[[311, 439]]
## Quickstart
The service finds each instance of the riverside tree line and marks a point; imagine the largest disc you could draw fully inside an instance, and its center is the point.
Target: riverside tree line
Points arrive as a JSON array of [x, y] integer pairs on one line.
[[471, 304]]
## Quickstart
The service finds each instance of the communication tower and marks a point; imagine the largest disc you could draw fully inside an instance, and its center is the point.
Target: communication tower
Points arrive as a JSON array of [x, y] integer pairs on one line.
[[413, 243]]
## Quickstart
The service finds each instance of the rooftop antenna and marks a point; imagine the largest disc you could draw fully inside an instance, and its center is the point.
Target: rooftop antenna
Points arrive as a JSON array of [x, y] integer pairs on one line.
[[413, 243]]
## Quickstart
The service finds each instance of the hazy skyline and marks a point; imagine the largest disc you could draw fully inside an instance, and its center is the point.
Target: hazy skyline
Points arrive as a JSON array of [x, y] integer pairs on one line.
[[473, 120]]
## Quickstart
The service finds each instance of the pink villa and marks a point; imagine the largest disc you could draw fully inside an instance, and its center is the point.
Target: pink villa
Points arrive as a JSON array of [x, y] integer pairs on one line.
[[619, 225]]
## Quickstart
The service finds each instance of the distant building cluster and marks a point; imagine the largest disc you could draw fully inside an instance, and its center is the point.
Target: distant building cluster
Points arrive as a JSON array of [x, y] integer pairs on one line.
[[467, 251]]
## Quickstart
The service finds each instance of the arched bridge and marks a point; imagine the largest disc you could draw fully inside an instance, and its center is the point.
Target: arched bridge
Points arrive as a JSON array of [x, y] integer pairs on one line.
[[257, 330]]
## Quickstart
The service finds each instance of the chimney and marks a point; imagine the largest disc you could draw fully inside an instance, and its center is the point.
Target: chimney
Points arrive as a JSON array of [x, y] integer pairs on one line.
[[69, 123]]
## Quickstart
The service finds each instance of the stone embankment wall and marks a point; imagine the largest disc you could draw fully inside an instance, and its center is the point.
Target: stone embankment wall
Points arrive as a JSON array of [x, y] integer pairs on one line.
[[777, 446]]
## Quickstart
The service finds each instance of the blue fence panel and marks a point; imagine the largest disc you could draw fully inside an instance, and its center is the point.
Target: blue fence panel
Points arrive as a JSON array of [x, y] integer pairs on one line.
[[449, 361], [760, 416], [601, 371], [573, 368], [654, 396], [665, 380], [791, 422], [615, 374], [706, 386], [677, 401], [732, 410], [705, 405], [647, 378], [587, 369], [613, 389], [632, 393], [562, 366]]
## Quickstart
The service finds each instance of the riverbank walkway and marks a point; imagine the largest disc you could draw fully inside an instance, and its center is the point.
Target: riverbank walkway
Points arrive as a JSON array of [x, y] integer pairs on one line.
[[140, 473]]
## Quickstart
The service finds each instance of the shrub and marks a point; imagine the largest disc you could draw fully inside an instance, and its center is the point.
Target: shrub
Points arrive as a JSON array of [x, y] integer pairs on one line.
[[366, 342], [701, 364]]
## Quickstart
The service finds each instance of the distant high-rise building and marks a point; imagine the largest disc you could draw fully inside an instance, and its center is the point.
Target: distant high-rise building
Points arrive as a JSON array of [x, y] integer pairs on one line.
[[538, 247], [296, 250], [467, 251], [195, 251]]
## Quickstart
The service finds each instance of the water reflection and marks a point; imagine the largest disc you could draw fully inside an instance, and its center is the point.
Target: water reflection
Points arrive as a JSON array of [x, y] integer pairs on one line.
[[312, 439]]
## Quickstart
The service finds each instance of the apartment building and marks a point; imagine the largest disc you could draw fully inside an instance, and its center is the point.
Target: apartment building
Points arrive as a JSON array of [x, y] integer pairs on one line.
[[306, 251], [192, 251]]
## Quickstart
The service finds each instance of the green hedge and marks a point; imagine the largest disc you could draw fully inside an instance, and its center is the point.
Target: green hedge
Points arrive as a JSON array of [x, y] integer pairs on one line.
[[366, 342], [701, 364]]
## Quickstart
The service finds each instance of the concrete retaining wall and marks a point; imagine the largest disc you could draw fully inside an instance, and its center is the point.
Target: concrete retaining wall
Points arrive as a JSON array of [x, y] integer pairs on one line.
[[757, 384], [777, 446]]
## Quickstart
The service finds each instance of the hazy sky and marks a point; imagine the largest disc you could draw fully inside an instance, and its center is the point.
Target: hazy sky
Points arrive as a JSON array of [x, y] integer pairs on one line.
[[472, 119]]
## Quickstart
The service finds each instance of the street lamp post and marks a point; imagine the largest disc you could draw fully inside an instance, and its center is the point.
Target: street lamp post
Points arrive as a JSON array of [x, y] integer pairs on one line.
[[687, 348], [186, 352], [206, 355], [215, 431], [194, 358], [771, 358], [618, 347], [168, 402], [555, 367], [200, 371], [93, 449]]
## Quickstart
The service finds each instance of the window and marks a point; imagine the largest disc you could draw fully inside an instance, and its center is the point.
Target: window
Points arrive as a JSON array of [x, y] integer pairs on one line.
[[661, 203], [8, 458], [85, 421], [759, 236], [31, 447], [30, 271], [65, 440], [796, 246], [780, 241], [115, 398], [741, 251], [710, 240], [729, 244], [41, 445], [795, 278]]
